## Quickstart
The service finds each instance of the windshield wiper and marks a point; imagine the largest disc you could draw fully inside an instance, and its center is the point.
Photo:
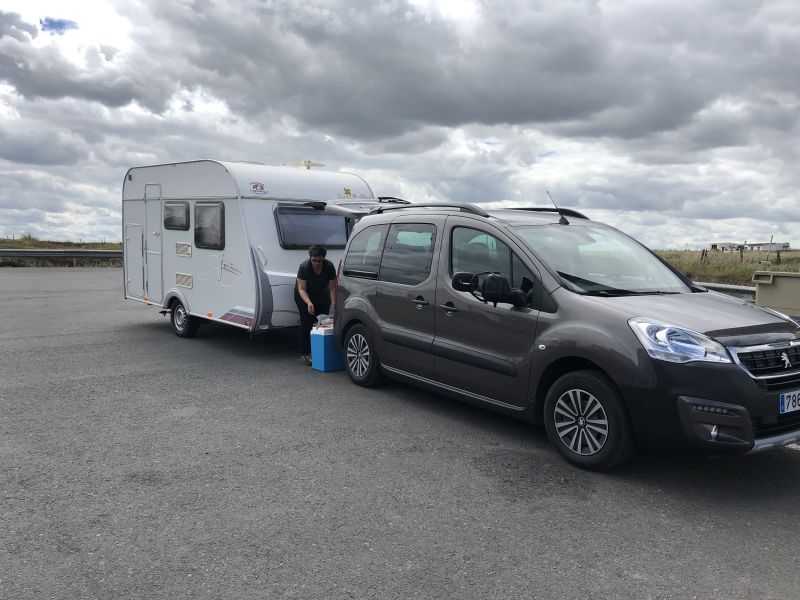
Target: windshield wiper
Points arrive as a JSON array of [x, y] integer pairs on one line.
[[604, 290], [620, 292]]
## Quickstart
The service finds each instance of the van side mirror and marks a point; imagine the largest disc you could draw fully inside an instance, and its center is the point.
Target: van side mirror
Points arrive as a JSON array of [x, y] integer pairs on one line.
[[464, 282], [496, 288]]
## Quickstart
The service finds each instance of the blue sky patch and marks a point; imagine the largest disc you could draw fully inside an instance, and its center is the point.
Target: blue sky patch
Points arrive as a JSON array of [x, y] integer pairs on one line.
[[57, 26]]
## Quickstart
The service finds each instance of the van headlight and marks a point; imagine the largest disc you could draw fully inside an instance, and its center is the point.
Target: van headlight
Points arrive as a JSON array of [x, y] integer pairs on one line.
[[675, 344]]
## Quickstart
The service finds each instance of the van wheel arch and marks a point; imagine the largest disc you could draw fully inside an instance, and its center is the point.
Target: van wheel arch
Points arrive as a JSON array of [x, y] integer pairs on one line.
[[561, 367], [348, 327]]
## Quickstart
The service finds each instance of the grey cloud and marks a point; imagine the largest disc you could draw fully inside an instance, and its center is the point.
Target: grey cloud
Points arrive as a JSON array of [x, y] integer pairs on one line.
[[44, 73], [378, 70], [12, 25], [42, 147]]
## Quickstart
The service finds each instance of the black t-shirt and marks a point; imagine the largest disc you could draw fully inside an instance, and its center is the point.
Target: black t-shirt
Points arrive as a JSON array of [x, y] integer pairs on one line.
[[316, 285]]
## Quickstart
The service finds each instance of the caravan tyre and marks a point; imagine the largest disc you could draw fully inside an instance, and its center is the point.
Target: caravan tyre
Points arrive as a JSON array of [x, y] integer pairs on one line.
[[183, 323], [360, 357]]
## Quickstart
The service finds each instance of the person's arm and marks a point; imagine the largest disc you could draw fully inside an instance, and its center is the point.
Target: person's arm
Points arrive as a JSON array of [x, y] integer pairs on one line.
[[332, 292], [332, 285], [303, 291]]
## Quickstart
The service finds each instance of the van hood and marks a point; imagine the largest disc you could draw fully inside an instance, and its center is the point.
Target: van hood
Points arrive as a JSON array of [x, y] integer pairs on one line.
[[731, 321]]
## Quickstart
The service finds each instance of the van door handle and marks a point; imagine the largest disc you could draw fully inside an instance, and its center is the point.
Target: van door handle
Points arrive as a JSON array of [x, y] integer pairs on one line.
[[449, 308], [419, 301]]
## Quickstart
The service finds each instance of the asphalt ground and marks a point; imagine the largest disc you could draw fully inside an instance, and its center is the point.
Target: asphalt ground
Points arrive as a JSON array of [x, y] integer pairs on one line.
[[134, 464]]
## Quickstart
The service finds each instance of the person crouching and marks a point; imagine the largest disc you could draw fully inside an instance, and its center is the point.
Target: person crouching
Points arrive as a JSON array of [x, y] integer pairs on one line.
[[314, 294]]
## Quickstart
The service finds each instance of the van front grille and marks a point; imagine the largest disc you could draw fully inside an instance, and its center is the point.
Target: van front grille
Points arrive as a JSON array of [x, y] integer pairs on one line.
[[770, 362], [773, 367]]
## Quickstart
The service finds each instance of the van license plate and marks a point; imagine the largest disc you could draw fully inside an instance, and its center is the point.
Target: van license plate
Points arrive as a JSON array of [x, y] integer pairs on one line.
[[790, 401]]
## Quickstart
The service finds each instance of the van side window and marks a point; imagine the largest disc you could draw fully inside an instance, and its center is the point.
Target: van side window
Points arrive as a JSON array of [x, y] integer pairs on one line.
[[408, 254], [364, 254], [475, 251], [209, 225], [176, 215], [301, 227]]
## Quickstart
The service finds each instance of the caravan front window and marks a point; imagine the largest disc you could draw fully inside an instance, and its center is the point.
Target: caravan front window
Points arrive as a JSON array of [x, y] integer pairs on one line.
[[300, 227]]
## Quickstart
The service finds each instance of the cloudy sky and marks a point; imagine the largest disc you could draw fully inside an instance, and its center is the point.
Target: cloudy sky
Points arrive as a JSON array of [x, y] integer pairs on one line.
[[678, 122]]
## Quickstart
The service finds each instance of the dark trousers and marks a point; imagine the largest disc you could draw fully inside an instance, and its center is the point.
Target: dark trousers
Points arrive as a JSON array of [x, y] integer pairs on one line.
[[307, 322]]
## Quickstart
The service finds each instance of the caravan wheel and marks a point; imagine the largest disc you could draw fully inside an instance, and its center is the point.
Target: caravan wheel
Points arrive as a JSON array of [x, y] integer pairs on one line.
[[183, 323]]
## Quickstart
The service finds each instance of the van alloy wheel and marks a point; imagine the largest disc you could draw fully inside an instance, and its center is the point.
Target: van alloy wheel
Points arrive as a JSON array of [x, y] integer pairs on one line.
[[581, 422], [587, 422], [358, 355]]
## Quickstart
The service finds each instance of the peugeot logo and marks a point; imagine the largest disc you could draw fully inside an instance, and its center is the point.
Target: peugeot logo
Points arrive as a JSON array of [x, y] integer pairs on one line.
[[786, 362]]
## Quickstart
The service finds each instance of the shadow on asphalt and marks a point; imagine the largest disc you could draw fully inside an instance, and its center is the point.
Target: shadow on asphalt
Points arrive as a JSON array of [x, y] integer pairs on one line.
[[731, 480]]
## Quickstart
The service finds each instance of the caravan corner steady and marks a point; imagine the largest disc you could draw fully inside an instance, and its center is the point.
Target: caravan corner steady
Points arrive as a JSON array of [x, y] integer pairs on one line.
[[221, 241]]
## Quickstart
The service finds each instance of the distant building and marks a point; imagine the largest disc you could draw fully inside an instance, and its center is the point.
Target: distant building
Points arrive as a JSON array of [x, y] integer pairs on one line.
[[767, 247], [723, 246], [754, 247]]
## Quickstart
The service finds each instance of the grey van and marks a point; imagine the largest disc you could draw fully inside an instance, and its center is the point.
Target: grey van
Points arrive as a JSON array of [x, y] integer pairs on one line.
[[559, 320]]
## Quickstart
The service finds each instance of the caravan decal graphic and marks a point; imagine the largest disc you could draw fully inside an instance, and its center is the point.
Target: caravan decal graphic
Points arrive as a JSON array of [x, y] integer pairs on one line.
[[239, 315], [258, 188]]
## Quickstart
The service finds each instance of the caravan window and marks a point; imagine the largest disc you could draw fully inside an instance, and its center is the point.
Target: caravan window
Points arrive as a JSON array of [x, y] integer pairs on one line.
[[176, 215], [300, 227], [209, 225]]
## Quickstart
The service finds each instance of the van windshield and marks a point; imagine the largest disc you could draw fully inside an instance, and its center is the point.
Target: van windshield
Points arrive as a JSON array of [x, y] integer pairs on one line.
[[600, 261]]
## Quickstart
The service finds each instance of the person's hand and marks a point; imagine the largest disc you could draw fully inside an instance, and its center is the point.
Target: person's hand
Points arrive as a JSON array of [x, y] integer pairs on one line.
[[311, 309]]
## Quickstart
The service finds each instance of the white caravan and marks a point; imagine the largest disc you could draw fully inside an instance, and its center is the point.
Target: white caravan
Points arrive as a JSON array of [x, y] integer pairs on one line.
[[221, 241]]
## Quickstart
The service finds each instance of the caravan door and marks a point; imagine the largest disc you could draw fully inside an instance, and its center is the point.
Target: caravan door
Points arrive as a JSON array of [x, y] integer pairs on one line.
[[153, 243], [134, 260]]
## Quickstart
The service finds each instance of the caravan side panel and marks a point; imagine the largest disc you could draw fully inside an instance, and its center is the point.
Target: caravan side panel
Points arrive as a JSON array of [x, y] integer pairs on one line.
[[215, 283]]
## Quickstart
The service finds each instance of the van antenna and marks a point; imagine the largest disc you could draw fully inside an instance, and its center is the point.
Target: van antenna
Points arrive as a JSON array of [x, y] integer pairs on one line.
[[563, 219]]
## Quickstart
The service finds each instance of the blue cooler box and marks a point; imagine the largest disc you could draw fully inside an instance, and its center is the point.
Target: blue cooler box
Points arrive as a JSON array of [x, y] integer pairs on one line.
[[325, 355]]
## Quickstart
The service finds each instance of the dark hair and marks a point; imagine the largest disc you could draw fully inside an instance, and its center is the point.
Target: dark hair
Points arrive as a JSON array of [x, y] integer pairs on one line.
[[318, 250]]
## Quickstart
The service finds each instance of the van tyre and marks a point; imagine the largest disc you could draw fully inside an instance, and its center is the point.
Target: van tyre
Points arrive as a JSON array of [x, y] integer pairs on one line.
[[360, 358], [183, 323], [586, 421]]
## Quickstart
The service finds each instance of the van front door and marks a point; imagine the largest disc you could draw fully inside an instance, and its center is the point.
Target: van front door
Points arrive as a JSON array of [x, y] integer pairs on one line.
[[480, 348], [153, 250], [406, 291]]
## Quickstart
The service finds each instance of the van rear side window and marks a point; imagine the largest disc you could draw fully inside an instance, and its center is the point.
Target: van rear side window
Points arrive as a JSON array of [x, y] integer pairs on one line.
[[303, 227], [408, 254], [364, 255]]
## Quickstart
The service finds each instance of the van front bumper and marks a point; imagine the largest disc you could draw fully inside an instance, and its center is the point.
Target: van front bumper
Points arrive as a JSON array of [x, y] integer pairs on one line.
[[714, 408]]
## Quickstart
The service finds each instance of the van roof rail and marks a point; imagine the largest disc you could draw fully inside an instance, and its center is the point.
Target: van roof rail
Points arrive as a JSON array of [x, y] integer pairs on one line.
[[562, 211], [392, 200], [470, 208]]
